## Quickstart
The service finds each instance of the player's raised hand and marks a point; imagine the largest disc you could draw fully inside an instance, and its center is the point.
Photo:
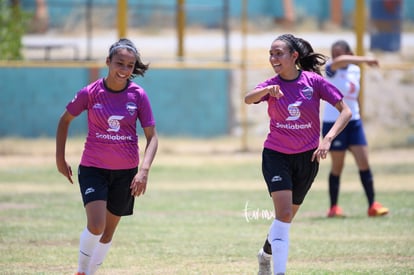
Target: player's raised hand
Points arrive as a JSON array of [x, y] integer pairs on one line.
[[275, 91]]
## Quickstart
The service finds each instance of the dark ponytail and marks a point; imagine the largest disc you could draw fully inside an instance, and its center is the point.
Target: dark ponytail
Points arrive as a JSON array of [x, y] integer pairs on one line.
[[307, 60]]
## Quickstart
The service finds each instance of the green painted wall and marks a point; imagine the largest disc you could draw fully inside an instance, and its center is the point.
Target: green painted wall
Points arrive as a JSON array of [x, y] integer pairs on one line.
[[186, 102]]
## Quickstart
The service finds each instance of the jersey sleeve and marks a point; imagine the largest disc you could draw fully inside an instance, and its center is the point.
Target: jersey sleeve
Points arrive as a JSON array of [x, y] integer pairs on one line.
[[264, 84], [328, 92], [79, 103], [145, 114], [329, 72]]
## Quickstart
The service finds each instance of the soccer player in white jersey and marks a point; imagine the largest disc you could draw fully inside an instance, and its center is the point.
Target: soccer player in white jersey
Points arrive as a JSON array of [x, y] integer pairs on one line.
[[292, 150], [110, 173], [343, 72]]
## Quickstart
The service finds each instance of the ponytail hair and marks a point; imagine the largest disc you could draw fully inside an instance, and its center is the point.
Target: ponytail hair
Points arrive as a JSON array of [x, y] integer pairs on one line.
[[307, 60], [124, 43]]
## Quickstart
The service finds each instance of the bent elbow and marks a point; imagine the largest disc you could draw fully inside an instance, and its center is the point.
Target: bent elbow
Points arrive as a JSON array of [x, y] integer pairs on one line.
[[248, 100], [348, 114]]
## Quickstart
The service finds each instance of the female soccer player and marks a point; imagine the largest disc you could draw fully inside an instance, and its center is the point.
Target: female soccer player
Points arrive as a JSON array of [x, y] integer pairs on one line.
[[109, 177], [292, 151], [343, 72]]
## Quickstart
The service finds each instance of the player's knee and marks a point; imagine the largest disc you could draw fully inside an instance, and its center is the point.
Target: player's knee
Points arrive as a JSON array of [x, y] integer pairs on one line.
[[284, 215], [106, 238], [96, 228]]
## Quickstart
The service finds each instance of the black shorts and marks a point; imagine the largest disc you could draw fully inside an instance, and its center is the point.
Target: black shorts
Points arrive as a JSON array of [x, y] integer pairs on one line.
[[112, 186], [295, 172]]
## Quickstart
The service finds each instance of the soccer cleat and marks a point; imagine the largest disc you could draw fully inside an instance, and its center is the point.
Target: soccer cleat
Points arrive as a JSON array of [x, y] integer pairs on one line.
[[264, 263], [335, 211], [377, 209], [79, 273]]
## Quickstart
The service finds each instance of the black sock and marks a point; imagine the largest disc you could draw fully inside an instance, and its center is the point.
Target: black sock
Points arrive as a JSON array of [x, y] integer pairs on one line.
[[267, 247], [333, 189], [368, 184]]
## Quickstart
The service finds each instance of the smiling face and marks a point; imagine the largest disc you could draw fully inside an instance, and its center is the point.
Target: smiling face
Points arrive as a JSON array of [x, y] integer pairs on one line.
[[283, 60], [121, 66]]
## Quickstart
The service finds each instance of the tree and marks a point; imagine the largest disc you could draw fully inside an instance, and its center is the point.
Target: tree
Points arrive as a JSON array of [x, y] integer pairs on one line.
[[13, 21]]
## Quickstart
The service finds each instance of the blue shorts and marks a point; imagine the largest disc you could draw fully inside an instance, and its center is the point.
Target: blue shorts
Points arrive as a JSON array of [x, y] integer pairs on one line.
[[112, 186], [353, 134], [295, 172]]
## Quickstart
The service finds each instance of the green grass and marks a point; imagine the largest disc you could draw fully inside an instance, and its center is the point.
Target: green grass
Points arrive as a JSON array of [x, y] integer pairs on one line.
[[193, 220]]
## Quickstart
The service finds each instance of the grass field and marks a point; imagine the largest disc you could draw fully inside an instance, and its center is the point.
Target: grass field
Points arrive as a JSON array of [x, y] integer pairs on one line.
[[206, 211]]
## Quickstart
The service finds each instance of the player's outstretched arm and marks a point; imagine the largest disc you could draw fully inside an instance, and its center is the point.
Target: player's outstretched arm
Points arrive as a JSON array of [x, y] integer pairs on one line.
[[345, 59]]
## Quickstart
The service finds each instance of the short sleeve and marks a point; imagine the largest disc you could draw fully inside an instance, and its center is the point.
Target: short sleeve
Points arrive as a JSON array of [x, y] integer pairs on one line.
[[329, 72], [145, 114], [79, 103]]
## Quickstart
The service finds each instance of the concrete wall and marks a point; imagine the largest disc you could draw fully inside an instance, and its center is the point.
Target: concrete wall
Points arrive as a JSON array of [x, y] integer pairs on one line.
[[186, 102]]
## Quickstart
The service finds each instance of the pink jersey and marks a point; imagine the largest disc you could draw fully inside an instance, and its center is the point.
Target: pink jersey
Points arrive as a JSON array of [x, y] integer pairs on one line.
[[112, 141], [294, 118]]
